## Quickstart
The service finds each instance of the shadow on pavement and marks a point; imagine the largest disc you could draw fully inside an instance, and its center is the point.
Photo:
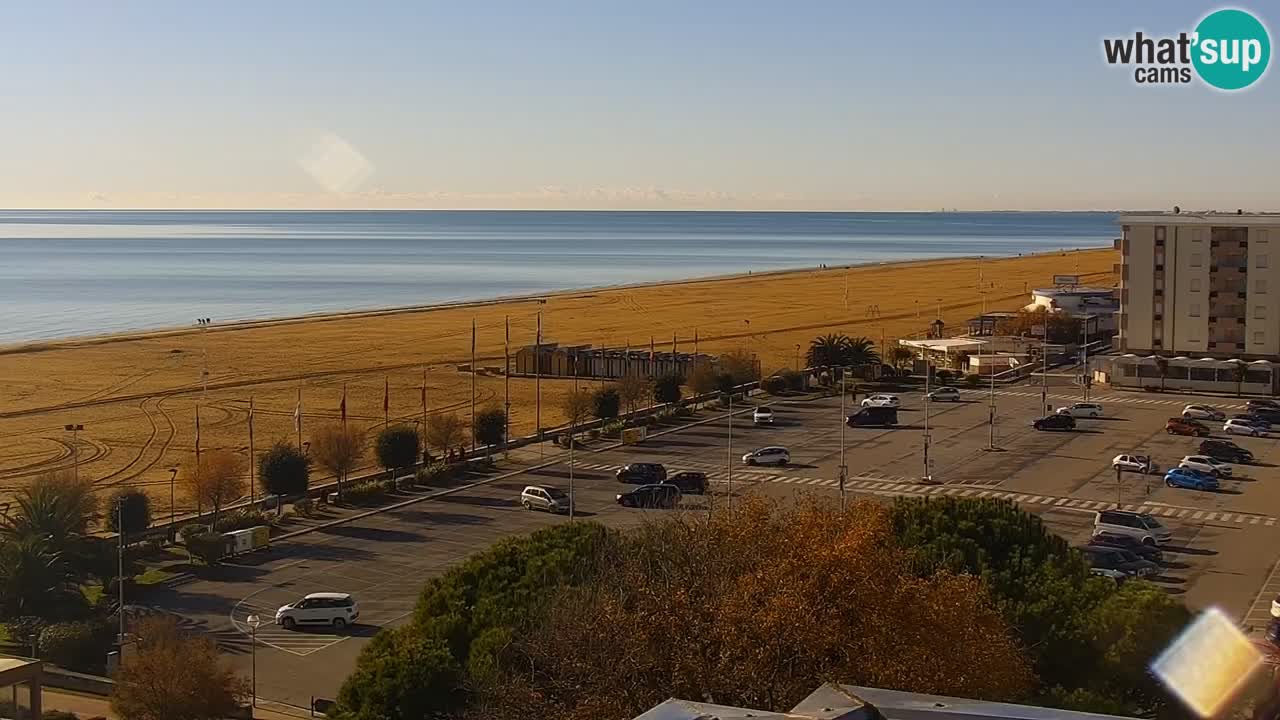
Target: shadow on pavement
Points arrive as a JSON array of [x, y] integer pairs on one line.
[[369, 533], [1188, 550], [445, 518], [479, 500]]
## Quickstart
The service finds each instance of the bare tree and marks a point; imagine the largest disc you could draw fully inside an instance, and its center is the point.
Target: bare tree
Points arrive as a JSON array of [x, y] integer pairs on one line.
[[175, 677], [634, 390], [577, 406], [220, 479], [445, 430], [338, 448]]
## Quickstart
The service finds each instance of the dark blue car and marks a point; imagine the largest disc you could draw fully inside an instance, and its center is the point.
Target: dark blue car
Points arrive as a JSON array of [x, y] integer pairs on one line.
[[1190, 479]]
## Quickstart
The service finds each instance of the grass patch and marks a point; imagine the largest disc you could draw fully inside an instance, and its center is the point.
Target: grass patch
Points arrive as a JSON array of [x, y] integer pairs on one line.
[[92, 592], [153, 576]]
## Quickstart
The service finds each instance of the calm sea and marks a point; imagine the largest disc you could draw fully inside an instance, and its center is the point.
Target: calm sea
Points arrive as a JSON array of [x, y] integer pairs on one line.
[[91, 272]]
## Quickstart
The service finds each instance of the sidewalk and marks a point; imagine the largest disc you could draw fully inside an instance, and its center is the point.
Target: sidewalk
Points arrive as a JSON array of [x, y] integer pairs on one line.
[[92, 706]]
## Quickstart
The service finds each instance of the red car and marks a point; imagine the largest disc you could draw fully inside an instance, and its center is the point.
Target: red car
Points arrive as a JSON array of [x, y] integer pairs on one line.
[[1180, 426]]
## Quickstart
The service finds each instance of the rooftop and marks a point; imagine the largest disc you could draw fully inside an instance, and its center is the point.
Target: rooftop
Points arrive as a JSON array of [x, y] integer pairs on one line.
[[1074, 290], [1201, 217], [960, 343]]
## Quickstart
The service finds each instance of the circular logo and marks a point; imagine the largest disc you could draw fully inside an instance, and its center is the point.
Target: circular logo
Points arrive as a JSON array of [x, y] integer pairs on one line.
[[1232, 49]]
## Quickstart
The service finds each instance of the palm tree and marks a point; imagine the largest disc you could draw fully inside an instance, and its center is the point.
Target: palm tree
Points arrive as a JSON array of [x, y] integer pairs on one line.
[[827, 350], [859, 352], [33, 577], [1237, 374], [1162, 369], [56, 508]]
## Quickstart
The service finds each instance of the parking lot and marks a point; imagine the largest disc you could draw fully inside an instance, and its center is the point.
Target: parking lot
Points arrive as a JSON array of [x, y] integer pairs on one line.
[[1221, 555]]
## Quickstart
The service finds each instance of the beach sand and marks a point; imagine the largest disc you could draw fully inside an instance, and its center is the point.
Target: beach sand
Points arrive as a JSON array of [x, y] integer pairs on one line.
[[136, 396]]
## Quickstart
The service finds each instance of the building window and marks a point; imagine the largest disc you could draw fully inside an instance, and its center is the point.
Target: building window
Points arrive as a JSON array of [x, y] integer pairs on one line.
[[1159, 308], [1262, 236], [1159, 283], [1260, 286], [1260, 312], [1196, 260], [1160, 233], [1195, 310], [1262, 261], [1259, 338], [1195, 284], [1157, 332], [1197, 235]]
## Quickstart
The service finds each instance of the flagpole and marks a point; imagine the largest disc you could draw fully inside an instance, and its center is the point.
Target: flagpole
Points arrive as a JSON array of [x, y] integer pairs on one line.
[[537, 383], [252, 491], [343, 407], [473, 385], [297, 418], [506, 374], [386, 402], [424, 406], [197, 493]]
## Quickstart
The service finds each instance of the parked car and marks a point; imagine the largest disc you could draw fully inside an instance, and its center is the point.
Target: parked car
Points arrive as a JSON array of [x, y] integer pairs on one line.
[[1133, 463], [690, 482], [1262, 403], [1207, 465], [1226, 450], [1082, 409], [1117, 564], [1127, 542], [762, 416], [946, 393], [1183, 426], [651, 496], [328, 609], [1240, 427], [1142, 526], [1055, 422], [1202, 412], [1181, 477], [768, 456], [873, 417], [1271, 415], [641, 473], [882, 400], [545, 497], [1252, 419]]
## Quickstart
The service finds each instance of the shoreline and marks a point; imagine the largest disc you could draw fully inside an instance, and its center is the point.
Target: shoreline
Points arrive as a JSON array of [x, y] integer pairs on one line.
[[79, 341]]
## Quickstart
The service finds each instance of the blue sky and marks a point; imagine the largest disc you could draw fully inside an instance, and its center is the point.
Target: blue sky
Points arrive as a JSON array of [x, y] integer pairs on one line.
[[807, 105]]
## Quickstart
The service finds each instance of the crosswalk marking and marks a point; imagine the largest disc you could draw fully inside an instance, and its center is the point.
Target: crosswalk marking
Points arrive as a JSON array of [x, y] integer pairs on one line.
[[1118, 399]]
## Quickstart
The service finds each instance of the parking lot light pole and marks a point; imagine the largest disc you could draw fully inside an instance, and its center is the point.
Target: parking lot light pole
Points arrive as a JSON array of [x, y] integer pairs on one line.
[[75, 448], [928, 370], [728, 459], [254, 621], [844, 470], [1117, 487]]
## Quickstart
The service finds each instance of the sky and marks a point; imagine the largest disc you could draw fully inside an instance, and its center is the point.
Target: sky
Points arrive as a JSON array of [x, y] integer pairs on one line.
[[597, 104]]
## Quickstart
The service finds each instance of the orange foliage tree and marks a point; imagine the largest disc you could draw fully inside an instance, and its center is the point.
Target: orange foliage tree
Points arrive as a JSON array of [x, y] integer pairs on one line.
[[220, 479], [756, 607]]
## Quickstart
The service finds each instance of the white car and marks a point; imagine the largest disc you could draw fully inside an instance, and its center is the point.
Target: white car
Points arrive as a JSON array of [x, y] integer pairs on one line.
[[545, 497], [768, 456], [1145, 528], [1133, 463], [328, 609], [1082, 409], [945, 393], [882, 400], [1235, 426], [1207, 465], [762, 416], [1202, 412]]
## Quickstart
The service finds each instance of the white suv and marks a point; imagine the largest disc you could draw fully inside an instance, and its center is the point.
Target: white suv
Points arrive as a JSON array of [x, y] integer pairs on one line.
[[768, 456], [1207, 465], [1142, 526], [882, 400], [545, 497], [1082, 409], [329, 609], [762, 416]]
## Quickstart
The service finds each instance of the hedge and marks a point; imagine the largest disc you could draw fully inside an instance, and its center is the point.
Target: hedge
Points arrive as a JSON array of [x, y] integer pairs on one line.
[[209, 547], [79, 646], [364, 492]]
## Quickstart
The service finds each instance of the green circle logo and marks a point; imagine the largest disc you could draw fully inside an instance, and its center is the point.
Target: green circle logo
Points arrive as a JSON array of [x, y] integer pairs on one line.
[[1232, 49]]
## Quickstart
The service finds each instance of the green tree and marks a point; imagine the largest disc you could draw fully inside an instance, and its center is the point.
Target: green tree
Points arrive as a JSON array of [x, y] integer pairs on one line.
[[607, 403], [402, 675], [34, 579], [666, 389], [827, 350], [490, 427], [900, 356], [131, 505], [398, 446], [284, 470]]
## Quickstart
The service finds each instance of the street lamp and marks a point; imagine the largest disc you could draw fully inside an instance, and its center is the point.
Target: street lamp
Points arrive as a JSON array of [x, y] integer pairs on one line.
[[75, 447], [254, 621], [798, 357], [173, 477]]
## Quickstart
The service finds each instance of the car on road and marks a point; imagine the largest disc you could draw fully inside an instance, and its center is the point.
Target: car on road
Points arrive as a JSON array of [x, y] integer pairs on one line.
[[1202, 412], [768, 456], [1127, 542], [1240, 427], [1181, 477], [545, 497], [882, 400], [1226, 451], [1142, 526], [690, 482], [944, 394], [1183, 426], [1082, 410], [762, 416], [1261, 403], [873, 417], [1055, 422], [1207, 465], [1133, 463], [1117, 564], [641, 473], [1271, 415], [651, 496], [1252, 419], [327, 609], [1275, 607]]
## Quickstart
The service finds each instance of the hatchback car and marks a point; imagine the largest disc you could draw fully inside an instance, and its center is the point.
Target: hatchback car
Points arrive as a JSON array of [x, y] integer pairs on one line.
[[1271, 415], [545, 497], [944, 394], [1226, 451], [651, 496], [1206, 465], [1252, 419], [1055, 422], [1183, 426], [768, 456], [1142, 526], [641, 473], [1262, 403], [1117, 563], [1082, 410], [1126, 542], [690, 482], [873, 417], [1133, 463], [882, 400], [328, 609], [1181, 477], [1202, 412], [762, 416], [1240, 427]]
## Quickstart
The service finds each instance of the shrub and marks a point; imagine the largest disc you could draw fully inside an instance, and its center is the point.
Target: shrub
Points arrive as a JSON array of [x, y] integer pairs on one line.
[[613, 429], [606, 403], [243, 519], [364, 493], [304, 506], [134, 505], [209, 547], [775, 385], [79, 646], [186, 532], [437, 475], [26, 630], [398, 446], [681, 411], [284, 470], [973, 380], [58, 715]]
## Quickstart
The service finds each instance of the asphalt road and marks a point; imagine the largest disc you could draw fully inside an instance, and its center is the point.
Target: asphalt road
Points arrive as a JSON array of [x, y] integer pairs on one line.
[[1223, 553]]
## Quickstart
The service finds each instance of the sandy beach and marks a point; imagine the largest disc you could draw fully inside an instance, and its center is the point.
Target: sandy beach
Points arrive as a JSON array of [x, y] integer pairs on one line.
[[136, 395]]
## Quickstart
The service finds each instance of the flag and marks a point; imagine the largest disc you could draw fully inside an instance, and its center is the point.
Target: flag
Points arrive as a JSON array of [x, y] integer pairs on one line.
[[250, 411], [197, 428], [343, 407], [673, 343], [297, 413], [652, 354], [386, 394]]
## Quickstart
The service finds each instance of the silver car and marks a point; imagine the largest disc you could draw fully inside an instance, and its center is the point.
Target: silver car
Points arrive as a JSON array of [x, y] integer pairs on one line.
[[545, 497]]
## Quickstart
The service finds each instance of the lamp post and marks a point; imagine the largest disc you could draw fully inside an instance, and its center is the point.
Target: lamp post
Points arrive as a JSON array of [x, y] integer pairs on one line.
[[928, 370], [120, 561], [798, 357], [173, 508], [75, 447], [254, 621], [844, 470], [728, 460]]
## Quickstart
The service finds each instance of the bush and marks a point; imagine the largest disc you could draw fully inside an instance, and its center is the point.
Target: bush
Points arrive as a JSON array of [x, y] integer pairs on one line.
[[606, 403], [209, 547], [681, 411], [58, 715], [79, 646], [134, 505], [973, 380], [943, 376], [304, 507], [613, 429], [243, 519], [26, 630], [284, 470], [364, 493], [398, 446], [436, 475], [186, 532], [774, 385]]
